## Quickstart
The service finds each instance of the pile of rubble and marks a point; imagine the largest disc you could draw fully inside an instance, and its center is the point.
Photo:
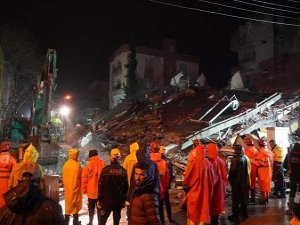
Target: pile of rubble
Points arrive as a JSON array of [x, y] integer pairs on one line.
[[176, 119]]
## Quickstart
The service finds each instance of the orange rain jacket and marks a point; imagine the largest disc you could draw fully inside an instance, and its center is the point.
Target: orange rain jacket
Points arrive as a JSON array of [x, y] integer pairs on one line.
[[265, 161], [30, 155], [200, 179], [90, 177], [71, 175], [219, 190], [130, 160], [164, 173], [251, 152], [7, 162]]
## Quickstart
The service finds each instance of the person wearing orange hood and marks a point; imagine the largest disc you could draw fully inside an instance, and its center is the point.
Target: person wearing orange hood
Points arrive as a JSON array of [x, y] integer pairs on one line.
[[199, 180], [130, 160], [71, 176], [197, 146], [166, 201], [219, 190], [265, 163], [7, 162], [251, 152], [31, 155]]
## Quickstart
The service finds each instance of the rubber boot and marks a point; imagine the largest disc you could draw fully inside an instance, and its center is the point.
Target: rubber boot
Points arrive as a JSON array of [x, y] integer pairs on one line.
[[290, 210], [76, 220], [264, 199], [252, 195], [91, 218], [214, 220], [67, 219]]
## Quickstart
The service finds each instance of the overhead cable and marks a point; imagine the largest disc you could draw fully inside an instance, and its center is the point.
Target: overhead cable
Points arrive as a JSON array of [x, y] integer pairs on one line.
[[266, 7], [294, 1], [280, 5], [248, 10], [223, 14]]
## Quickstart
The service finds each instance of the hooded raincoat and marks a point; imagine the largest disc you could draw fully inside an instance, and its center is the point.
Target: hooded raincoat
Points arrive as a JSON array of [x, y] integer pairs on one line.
[[164, 173], [130, 160], [200, 179], [30, 155], [219, 192], [71, 175], [238, 177], [265, 163], [7, 162], [251, 152]]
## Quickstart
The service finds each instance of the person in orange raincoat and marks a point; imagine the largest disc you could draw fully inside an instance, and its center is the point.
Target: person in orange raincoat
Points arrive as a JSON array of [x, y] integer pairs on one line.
[[71, 176], [199, 180], [166, 201], [7, 162], [31, 155], [251, 152], [89, 182], [197, 145], [219, 190], [265, 161], [130, 160]]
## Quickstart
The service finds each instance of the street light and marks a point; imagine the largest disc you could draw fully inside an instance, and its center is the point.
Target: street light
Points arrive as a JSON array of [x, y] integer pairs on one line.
[[65, 110], [67, 97]]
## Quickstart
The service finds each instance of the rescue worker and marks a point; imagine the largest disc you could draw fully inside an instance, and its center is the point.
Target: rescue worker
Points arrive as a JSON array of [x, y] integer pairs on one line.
[[239, 179], [130, 160], [164, 175], [31, 207], [166, 201], [199, 180], [7, 162], [278, 177], [30, 155], [219, 189], [294, 174], [197, 146], [71, 176], [113, 187], [264, 160], [89, 183], [251, 152], [144, 202]]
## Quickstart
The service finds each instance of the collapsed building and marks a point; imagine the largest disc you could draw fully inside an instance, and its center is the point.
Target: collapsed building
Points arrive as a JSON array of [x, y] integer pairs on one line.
[[175, 118]]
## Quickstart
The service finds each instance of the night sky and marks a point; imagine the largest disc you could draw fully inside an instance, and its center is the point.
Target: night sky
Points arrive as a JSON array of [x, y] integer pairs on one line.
[[85, 33]]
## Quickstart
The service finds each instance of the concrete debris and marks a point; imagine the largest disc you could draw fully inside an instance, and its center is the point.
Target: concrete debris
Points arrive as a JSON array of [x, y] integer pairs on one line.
[[173, 120]]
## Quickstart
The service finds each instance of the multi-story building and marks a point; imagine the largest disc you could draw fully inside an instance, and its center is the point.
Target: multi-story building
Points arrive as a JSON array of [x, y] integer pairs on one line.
[[155, 68], [268, 55]]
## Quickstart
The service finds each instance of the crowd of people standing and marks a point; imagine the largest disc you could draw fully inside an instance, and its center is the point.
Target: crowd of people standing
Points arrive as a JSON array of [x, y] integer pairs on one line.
[[141, 184]]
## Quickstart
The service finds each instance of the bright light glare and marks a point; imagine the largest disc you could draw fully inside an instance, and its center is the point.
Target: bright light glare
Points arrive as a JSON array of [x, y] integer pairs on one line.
[[64, 110], [67, 97]]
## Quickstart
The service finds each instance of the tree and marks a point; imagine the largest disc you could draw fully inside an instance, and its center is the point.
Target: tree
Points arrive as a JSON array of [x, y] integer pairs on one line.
[[1, 73], [131, 88], [22, 64]]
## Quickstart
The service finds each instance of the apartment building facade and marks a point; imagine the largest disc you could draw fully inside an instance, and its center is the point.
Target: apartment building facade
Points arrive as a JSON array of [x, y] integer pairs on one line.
[[155, 68], [269, 55]]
